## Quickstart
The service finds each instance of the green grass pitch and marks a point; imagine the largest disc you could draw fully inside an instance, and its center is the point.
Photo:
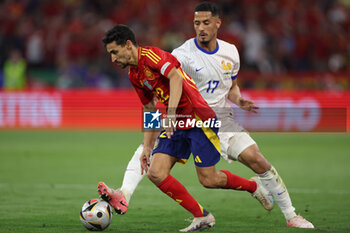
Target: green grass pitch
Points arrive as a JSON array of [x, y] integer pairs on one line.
[[46, 176]]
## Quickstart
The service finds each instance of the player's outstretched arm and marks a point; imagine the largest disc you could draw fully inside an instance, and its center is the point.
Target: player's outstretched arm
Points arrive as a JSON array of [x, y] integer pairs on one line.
[[235, 97], [148, 140], [175, 86]]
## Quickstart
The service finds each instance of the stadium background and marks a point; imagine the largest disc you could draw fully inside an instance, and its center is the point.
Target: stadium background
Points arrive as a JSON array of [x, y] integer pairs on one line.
[[294, 55]]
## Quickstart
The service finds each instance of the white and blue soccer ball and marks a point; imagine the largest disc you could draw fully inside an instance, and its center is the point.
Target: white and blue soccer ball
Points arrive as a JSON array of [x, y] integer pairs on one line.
[[96, 215]]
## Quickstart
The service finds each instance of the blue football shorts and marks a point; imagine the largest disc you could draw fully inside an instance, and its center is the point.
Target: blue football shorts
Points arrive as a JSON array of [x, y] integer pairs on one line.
[[202, 142]]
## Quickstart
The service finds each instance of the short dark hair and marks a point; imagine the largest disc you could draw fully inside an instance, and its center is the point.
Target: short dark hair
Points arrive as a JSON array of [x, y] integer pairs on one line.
[[208, 6], [120, 34]]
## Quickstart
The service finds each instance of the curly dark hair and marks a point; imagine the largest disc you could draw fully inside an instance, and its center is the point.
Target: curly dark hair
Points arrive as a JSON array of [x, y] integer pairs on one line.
[[120, 34]]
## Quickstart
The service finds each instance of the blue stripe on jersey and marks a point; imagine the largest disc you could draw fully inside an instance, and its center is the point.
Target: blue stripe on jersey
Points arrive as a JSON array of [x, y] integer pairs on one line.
[[205, 51], [234, 77]]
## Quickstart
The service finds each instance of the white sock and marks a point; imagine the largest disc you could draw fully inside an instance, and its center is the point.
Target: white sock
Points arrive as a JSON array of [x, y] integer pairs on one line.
[[274, 184], [132, 175]]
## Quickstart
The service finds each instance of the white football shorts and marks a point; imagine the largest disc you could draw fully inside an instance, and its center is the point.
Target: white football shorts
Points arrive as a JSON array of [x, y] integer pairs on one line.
[[233, 138]]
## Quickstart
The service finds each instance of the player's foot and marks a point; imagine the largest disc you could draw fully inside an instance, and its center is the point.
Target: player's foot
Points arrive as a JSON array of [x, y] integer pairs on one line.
[[200, 224], [114, 197], [299, 222], [262, 195]]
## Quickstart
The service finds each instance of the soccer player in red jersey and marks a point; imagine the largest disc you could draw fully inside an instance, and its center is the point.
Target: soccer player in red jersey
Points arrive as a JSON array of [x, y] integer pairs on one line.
[[156, 73]]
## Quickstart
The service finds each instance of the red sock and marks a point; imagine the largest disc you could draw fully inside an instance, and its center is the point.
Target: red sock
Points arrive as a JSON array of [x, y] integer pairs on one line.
[[174, 189], [239, 183]]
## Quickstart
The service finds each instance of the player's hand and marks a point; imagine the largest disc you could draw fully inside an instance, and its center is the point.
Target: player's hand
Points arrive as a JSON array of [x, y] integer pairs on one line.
[[170, 127], [247, 105], [145, 159]]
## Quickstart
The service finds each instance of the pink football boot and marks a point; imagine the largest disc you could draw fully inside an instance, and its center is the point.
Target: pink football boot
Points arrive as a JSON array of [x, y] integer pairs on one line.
[[114, 197]]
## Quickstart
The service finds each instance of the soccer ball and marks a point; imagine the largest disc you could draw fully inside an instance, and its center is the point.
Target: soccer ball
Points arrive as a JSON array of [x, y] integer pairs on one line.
[[96, 215]]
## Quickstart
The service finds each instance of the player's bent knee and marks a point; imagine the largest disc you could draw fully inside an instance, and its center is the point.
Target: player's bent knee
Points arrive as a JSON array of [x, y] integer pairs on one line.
[[156, 176], [152, 175]]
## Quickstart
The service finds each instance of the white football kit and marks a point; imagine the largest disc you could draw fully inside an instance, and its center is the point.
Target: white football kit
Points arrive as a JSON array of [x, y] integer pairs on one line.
[[213, 73]]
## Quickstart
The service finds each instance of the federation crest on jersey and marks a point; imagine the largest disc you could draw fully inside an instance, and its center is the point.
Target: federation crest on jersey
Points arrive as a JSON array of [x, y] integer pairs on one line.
[[148, 73], [227, 68]]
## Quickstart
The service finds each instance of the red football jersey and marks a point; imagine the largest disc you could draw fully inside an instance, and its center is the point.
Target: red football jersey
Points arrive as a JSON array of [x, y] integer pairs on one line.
[[149, 79]]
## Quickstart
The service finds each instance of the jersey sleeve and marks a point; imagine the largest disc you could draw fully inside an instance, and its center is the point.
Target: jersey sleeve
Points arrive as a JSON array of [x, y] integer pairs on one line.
[[160, 60], [181, 56], [236, 64]]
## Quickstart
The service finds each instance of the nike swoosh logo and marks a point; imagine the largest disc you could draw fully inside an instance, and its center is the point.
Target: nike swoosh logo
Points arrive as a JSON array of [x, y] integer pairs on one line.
[[122, 203], [199, 69], [281, 193]]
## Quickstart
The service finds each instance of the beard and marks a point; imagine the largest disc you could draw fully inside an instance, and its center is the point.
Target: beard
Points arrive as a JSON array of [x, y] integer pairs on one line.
[[123, 65], [204, 42], [124, 61]]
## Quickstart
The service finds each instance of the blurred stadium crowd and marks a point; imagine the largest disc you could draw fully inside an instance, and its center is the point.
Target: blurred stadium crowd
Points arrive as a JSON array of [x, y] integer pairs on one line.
[[282, 43]]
